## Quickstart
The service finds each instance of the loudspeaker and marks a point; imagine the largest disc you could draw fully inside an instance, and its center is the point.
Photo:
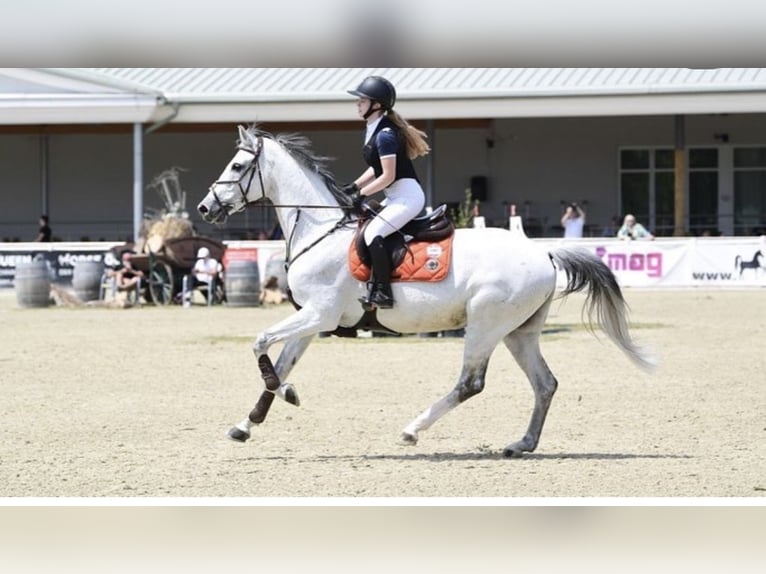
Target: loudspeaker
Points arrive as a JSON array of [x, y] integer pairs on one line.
[[479, 187]]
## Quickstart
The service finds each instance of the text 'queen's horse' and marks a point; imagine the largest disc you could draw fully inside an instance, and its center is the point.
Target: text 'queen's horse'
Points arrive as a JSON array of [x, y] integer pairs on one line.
[[500, 285]]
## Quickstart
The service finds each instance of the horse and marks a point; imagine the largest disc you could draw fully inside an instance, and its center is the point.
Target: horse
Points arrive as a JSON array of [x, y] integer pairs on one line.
[[499, 287], [754, 263]]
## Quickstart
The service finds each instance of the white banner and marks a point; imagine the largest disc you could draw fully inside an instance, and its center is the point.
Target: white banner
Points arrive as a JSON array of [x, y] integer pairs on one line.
[[687, 262], [665, 262]]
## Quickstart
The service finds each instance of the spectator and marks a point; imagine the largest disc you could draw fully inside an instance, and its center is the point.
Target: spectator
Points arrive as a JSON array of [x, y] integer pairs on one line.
[[611, 229], [271, 293], [206, 274], [44, 233], [126, 276], [276, 233], [573, 221], [631, 230], [477, 220]]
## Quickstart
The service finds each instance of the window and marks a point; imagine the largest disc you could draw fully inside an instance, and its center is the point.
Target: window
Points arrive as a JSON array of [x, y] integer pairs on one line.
[[703, 190], [750, 191], [647, 184]]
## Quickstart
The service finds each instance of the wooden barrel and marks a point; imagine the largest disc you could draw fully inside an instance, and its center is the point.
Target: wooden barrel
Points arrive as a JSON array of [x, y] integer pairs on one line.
[[86, 279], [32, 283], [243, 284], [275, 267]]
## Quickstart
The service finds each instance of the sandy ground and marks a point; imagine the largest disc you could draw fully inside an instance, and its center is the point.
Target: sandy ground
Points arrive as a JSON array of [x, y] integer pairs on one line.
[[137, 403]]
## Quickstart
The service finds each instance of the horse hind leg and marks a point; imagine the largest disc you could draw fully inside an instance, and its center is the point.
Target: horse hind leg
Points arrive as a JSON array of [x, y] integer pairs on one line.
[[470, 383], [524, 344]]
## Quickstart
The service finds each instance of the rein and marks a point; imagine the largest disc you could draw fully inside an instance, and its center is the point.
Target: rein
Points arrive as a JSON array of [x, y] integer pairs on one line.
[[338, 225]]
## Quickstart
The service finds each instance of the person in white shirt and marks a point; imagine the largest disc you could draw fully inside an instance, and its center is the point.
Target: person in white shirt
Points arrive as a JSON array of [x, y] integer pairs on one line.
[[573, 221], [205, 269], [206, 274]]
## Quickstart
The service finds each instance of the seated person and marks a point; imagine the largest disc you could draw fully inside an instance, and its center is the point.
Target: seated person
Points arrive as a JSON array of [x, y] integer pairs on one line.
[[271, 293], [206, 271], [126, 276]]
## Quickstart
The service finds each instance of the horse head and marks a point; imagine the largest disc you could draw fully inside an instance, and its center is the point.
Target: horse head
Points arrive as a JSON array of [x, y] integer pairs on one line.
[[234, 190]]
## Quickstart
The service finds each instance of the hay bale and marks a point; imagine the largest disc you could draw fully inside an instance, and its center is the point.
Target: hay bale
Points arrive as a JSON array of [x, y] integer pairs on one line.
[[161, 230]]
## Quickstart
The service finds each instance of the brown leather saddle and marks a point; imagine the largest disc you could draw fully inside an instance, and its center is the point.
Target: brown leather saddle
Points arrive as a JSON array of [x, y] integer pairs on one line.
[[434, 226]]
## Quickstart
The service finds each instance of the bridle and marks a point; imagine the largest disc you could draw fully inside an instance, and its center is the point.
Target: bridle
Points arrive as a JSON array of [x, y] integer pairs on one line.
[[251, 171]]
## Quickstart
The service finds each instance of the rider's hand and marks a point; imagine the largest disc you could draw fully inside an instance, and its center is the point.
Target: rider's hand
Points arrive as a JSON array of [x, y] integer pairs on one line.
[[357, 200], [350, 189]]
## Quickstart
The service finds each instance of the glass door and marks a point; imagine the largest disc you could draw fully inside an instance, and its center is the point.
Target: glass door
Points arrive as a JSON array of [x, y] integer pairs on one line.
[[750, 191]]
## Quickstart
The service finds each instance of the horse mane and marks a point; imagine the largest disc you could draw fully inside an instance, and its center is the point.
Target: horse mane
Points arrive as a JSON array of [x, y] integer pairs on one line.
[[300, 148]]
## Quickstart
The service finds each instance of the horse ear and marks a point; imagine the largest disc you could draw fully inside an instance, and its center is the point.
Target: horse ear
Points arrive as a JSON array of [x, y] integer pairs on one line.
[[244, 136]]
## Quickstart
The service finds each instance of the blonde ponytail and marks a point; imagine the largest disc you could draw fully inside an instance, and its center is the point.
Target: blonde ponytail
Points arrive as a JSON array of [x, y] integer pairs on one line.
[[414, 138]]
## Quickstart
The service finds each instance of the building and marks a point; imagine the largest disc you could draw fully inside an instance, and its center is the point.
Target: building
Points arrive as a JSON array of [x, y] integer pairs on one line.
[[683, 149]]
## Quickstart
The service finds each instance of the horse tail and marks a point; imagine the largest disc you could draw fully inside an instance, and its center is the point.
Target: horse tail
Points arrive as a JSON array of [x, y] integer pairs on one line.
[[604, 301]]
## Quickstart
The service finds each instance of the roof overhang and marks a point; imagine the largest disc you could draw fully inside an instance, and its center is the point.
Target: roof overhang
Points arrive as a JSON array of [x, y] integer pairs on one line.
[[491, 107], [36, 109], [33, 109]]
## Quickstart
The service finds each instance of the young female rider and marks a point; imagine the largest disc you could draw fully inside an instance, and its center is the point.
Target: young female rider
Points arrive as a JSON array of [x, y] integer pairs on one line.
[[390, 145]]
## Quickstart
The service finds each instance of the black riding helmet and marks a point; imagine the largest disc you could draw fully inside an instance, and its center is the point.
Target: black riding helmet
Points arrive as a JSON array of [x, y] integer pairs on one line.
[[378, 89]]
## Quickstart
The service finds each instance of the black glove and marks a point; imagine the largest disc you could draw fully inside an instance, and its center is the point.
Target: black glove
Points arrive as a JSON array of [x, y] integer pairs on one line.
[[350, 189], [357, 200]]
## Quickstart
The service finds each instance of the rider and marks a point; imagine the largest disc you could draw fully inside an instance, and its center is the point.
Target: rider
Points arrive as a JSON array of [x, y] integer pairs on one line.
[[390, 146]]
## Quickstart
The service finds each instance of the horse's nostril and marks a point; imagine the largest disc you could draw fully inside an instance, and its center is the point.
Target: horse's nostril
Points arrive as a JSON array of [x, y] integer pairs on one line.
[[202, 209]]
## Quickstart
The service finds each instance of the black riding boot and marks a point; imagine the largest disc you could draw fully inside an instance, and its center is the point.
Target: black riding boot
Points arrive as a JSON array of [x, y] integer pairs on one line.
[[379, 294]]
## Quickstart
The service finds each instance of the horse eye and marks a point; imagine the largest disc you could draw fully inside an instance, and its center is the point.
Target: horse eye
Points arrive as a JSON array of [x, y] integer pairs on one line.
[[236, 166]]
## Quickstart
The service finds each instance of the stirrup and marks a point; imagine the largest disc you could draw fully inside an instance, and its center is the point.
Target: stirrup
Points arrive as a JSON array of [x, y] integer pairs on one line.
[[376, 299], [381, 300]]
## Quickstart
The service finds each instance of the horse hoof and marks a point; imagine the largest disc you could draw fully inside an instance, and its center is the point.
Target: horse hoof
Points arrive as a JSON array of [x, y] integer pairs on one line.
[[238, 435], [409, 439], [290, 395], [513, 453]]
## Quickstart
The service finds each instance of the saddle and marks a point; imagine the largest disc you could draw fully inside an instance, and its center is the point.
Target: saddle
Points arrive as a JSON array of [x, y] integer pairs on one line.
[[421, 251]]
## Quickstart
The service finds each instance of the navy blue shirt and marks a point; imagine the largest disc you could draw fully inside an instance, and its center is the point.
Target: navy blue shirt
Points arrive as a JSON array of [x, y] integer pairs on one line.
[[387, 140]]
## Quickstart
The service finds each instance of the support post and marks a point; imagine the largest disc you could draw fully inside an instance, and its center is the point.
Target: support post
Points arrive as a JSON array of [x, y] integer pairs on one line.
[[44, 176], [679, 227], [138, 176]]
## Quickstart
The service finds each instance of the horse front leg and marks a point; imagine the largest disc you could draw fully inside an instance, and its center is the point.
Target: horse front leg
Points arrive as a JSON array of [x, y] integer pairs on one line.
[[297, 330], [272, 376]]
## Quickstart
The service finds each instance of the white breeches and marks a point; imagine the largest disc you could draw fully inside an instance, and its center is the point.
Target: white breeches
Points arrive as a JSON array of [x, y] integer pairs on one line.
[[404, 201]]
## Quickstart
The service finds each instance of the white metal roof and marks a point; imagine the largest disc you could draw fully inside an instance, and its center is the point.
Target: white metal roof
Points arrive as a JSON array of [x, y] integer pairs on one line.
[[314, 94], [264, 84]]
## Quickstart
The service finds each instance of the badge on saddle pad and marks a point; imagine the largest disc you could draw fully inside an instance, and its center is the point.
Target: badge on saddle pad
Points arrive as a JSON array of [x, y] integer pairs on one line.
[[422, 261]]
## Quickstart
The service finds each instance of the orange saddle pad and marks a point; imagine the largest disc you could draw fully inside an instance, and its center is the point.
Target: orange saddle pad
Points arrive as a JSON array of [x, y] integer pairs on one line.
[[425, 261]]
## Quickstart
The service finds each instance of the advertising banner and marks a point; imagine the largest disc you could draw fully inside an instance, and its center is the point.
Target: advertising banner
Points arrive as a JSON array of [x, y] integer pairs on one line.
[[728, 263], [683, 262], [61, 258]]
